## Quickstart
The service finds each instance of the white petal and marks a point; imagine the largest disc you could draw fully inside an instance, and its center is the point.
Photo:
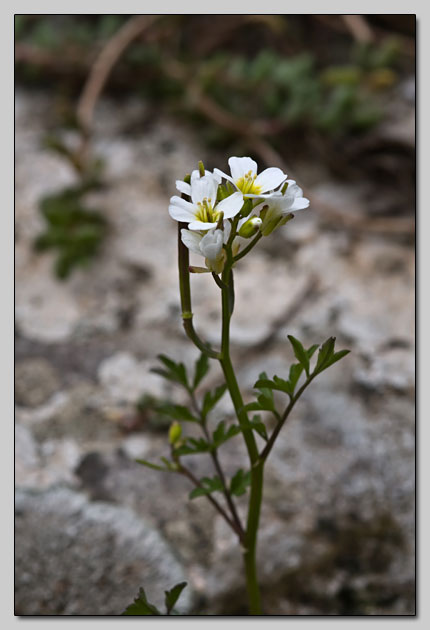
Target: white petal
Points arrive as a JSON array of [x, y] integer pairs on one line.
[[191, 240], [211, 244], [300, 203], [227, 230], [181, 210], [220, 174], [293, 189], [206, 186], [240, 166], [263, 195], [270, 179], [231, 205], [199, 225], [183, 187]]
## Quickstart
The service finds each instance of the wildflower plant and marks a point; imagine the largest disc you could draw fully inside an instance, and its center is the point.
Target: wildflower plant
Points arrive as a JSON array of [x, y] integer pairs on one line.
[[222, 218]]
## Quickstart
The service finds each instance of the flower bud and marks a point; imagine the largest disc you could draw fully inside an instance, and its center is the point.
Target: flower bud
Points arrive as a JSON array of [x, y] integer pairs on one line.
[[175, 433], [250, 227], [274, 219]]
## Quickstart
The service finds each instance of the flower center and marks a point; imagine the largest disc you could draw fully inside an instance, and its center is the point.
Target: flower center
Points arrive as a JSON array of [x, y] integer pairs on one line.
[[246, 184], [205, 212]]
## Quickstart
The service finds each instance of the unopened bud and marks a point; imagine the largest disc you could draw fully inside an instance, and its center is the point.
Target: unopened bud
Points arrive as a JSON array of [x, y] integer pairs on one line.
[[175, 433], [250, 227], [201, 168]]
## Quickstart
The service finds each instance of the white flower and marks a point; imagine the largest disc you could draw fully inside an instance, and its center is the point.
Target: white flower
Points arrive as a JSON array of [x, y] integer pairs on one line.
[[244, 177], [280, 205], [185, 188], [209, 245], [203, 212]]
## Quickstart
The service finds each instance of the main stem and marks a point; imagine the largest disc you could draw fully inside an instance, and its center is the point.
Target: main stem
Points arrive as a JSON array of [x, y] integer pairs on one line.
[[256, 493]]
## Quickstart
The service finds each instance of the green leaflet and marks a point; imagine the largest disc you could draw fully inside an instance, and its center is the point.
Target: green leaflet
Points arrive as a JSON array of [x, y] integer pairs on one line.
[[240, 482], [208, 485], [141, 606]]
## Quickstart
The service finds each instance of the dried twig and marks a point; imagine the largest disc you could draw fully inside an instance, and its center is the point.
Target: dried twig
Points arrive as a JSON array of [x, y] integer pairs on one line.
[[104, 64], [359, 28]]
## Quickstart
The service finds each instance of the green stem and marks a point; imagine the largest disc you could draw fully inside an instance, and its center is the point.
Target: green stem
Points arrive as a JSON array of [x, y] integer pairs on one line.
[[256, 492]]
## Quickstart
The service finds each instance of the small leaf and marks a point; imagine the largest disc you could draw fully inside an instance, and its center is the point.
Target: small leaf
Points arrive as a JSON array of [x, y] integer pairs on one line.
[[240, 482], [141, 606], [211, 399], [278, 384], [175, 371], [259, 426], [221, 435], [300, 353], [266, 391], [208, 485], [337, 356], [202, 368], [263, 404], [325, 353], [193, 446], [295, 373], [266, 403], [173, 595], [177, 412]]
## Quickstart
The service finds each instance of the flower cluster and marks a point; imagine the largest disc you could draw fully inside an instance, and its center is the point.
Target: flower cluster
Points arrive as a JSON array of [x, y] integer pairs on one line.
[[247, 205]]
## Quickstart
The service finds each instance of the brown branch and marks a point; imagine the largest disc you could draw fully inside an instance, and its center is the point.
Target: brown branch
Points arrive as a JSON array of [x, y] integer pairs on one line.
[[359, 28], [104, 64]]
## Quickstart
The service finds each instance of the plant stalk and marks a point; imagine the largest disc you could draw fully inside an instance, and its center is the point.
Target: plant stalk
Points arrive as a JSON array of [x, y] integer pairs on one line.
[[256, 492]]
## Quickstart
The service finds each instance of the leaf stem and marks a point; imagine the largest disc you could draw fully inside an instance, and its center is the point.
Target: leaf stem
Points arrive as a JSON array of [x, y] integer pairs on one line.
[[219, 470], [187, 473]]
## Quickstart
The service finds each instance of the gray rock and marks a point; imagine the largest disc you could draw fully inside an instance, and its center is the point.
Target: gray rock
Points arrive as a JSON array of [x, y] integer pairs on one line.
[[27, 458], [79, 558], [79, 413], [35, 382], [126, 380]]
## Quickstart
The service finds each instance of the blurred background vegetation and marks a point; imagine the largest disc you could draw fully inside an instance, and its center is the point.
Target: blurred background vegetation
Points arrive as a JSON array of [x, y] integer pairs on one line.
[[283, 87]]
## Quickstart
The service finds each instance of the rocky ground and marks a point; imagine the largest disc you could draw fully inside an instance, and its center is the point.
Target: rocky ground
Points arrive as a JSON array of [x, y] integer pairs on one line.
[[92, 526]]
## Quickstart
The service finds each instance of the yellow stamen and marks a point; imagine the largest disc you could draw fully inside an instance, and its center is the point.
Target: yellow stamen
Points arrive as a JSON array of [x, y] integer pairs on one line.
[[246, 184], [205, 212]]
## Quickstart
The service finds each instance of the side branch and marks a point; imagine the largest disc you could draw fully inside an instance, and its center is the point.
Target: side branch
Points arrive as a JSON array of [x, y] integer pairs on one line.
[[185, 292], [269, 445]]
